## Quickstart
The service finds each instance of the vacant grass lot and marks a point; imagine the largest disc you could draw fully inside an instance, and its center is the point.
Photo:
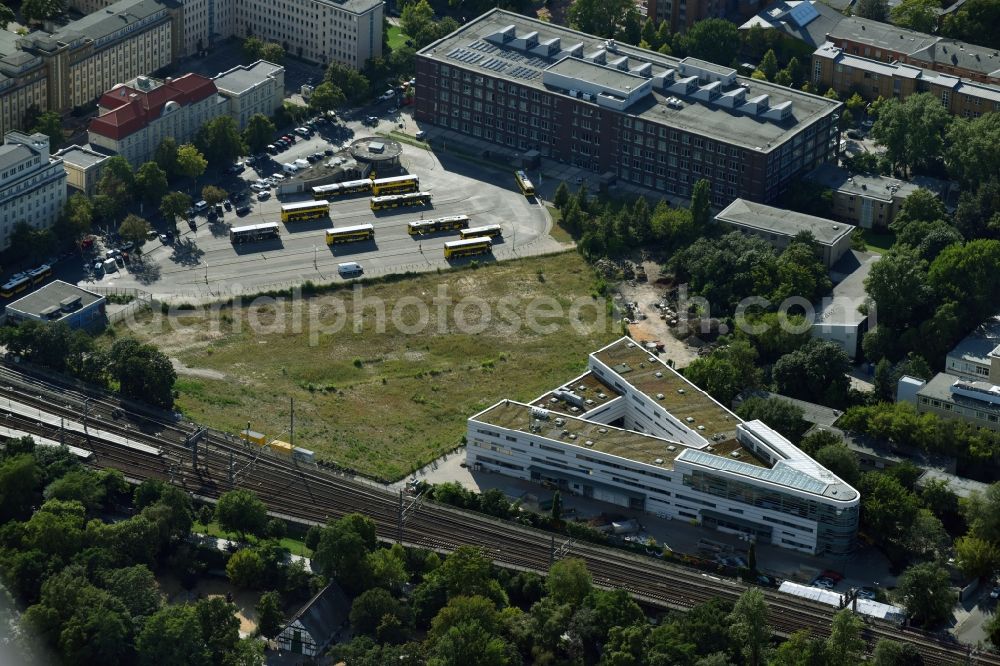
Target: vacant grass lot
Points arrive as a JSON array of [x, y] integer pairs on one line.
[[396, 37], [387, 399]]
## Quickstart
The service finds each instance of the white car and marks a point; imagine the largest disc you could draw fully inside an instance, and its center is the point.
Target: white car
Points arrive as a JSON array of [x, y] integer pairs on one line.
[[387, 95], [263, 196]]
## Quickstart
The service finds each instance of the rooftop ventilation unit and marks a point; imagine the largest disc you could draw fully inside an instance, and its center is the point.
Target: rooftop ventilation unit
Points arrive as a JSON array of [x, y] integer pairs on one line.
[[658, 461], [560, 422], [539, 413], [658, 374], [701, 427], [689, 419], [681, 391], [602, 430], [735, 454], [589, 442], [659, 396], [671, 448]]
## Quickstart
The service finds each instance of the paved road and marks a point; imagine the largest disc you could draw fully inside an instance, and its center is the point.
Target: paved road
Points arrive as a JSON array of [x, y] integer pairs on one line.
[[203, 265]]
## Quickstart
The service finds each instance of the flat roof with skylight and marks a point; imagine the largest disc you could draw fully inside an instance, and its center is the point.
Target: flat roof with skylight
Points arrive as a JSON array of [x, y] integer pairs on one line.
[[745, 213]]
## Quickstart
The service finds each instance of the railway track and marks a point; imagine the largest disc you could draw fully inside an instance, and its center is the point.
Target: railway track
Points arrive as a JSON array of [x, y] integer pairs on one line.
[[315, 495]]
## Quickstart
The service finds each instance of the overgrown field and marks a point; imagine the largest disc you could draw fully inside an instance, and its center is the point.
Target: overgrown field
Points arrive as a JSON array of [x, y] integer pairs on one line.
[[385, 394]]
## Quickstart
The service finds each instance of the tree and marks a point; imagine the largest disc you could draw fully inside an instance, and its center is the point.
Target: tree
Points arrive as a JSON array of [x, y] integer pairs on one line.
[[928, 239], [80, 485], [143, 372], [370, 607], [174, 205], [50, 124], [769, 65], [920, 206], [887, 508], [960, 274], [912, 130], [134, 229], [726, 371], [213, 195], [219, 140], [926, 593], [713, 39], [220, 629], [876, 10], [604, 19], [350, 81], [801, 649], [974, 22], [556, 507], [841, 461], [918, 15], [36, 11], [976, 557], [190, 162], [326, 97], [701, 203], [273, 52], [801, 272], [166, 155], [898, 284], [172, 637], [561, 196], [117, 181], [388, 566], [845, 646], [241, 511], [342, 551], [245, 569], [784, 78], [748, 626], [7, 16], [269, 615], [781, 415], [568, 581], [892, 653], [136, 588], [78, 215], [816, 372], [258, 133], [150, 182]]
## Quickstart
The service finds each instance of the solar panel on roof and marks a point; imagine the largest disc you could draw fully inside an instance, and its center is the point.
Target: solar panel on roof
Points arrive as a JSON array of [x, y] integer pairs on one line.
[[803, 13]]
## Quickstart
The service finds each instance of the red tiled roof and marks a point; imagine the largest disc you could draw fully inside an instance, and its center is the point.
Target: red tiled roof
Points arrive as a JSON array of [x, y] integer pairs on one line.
[[130, 109]]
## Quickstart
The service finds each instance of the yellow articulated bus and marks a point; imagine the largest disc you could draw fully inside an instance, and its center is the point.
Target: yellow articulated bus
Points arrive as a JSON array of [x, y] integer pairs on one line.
[[467, 247], [421, 227], [340, 189], [41, 273], [397, 200], [305, 210], [359, 232], [527, 189], [16, 285], [488, 231], [395, 185]]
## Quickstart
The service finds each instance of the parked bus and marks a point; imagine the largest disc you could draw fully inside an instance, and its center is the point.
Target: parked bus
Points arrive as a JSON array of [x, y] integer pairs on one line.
[[397, 200], [41, 273], [304, 210], [395, 185], [467, 247], [17, 284], [254, 232], [340, 189], [421, 227], [488, 231], [527, 189], [359, 232]]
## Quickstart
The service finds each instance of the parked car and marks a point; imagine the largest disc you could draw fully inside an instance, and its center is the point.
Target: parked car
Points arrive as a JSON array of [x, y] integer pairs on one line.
[[854, 134], [165, 239], [420, 134], [371, 120], [242, 210], [328, 151], [193, 224], [387, 95], [995, 593], [227, 204], [263, 196]]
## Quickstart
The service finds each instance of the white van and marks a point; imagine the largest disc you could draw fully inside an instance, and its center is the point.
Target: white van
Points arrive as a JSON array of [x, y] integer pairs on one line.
[[201, 206], [350, 269], [289, 168], [302, 164], [110, 266]]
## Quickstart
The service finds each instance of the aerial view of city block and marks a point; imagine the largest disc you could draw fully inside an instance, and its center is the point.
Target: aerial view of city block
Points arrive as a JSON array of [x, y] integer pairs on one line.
[[437, 333]]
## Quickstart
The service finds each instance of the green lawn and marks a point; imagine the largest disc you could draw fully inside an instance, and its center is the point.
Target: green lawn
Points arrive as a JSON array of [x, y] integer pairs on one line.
[[396, 37], [558, 232], [295, 546], [386, 402], [878, 242]]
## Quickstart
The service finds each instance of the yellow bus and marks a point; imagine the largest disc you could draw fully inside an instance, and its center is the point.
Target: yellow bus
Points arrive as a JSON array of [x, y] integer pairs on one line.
[[527, 189], [421, 227], [340, 189], [467, 247], [488, 231], [395, 185], [254, 232], [16, 285], [305, 210], [397, 200], [41, 273], [359, 232]]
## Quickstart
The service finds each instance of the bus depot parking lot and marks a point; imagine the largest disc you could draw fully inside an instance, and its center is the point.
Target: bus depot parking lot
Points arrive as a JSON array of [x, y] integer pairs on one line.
[[203, 263]]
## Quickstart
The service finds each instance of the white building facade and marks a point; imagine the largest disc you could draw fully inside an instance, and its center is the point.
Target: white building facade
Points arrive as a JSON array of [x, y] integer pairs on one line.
[[32, 184], [253, 89], [634, 433]]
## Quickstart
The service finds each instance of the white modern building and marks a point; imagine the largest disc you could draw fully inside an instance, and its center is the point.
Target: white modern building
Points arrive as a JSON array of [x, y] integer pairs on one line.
[[843, 315], [633, 432], [32, 184], [253, 89]]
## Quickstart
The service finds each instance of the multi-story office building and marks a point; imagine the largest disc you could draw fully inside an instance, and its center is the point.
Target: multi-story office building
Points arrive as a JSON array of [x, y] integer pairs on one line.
[[977, 356], [83, 167], [832, 67], [642, 117], [870, 201], [633, 432], [23, 83], [345, 31], [133, 118], [259, 88], [779, 227], [950, 397], [32, 184]]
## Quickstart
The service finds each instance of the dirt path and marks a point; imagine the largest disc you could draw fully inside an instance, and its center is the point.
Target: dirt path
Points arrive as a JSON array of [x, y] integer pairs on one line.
[[204, 373], [652, 328]]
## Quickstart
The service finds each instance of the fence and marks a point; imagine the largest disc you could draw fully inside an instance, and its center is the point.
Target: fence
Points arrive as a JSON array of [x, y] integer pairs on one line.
[[139, 300]]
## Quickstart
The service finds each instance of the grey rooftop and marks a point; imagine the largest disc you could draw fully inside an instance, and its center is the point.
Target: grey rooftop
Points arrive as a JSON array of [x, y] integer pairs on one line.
[[52, 295], [780, 221], [241, 78]]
